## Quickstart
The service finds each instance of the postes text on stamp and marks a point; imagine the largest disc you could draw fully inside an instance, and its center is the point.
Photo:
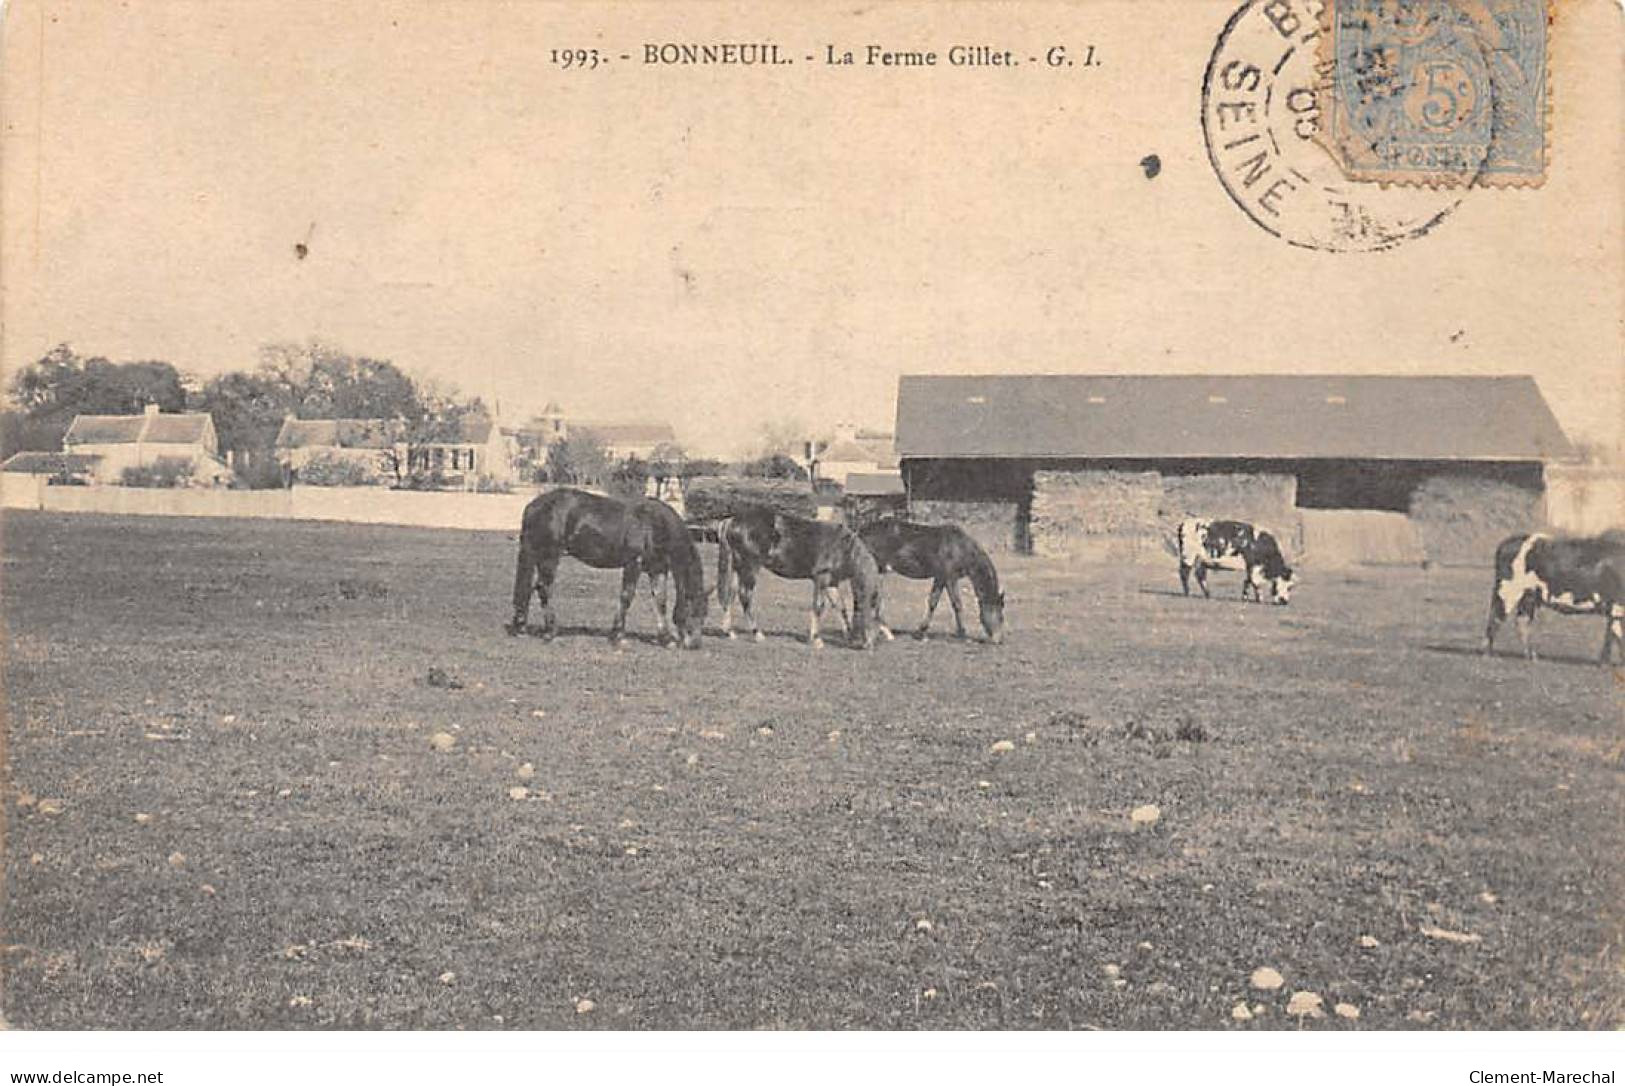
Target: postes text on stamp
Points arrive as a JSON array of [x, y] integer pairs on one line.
[[1436, 92]]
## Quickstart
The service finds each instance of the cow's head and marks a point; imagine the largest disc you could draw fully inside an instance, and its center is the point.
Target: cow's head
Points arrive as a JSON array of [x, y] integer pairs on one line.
[[1281, 586]]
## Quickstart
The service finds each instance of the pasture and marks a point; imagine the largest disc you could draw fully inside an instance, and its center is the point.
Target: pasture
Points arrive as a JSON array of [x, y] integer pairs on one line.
[[227, 807]]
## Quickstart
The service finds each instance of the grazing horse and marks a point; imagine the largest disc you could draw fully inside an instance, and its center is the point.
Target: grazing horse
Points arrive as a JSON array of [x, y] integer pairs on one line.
[[639, 537], [798, 549], [941, 554], [1572, 576]]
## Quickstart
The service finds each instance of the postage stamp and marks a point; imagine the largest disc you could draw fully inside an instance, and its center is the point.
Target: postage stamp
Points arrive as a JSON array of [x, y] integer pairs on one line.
[[1436, 92], [1263, 109]]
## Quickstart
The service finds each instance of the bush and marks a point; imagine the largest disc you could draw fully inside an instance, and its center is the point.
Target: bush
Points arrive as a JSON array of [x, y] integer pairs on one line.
[[425, 479], [166, 471], [485, 484], [329, 469]]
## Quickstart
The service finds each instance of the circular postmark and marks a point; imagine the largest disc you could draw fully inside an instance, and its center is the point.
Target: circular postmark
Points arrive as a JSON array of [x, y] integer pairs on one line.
[[1264, 100]]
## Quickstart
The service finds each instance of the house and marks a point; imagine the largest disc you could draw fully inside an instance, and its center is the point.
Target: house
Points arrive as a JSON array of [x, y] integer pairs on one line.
[[120, 442], [72, 468], [1061, 464], [369, 444], [463, 450], [620, 439], [854, 451]]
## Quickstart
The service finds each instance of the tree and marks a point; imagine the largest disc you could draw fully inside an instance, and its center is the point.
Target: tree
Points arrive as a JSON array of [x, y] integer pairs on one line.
[[62, 384], [324, 382], [777, 466], [248, 409], [581, 460]]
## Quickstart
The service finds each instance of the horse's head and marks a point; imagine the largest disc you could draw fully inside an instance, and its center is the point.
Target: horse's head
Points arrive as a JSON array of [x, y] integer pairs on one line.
[[993, 617], [688, 614]]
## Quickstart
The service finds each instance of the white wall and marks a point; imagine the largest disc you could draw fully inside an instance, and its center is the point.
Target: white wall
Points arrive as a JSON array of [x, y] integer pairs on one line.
[[355, 505]]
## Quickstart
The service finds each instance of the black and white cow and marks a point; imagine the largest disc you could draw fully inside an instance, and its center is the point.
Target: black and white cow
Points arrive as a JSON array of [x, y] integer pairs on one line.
[[1575, 576], [1233, 544]]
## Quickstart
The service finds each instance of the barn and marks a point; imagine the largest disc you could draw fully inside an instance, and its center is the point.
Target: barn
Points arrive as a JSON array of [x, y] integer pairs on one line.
[[1341, 468]]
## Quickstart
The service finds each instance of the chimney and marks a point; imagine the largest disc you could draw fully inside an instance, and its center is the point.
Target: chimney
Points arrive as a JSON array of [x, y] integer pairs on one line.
[[150, 409]]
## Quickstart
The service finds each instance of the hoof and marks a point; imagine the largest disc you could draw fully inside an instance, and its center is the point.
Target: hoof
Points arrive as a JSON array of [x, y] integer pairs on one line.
[[758, 637], [919, 635], [731, 635], [513, 629], [817, 643], [885, 631]]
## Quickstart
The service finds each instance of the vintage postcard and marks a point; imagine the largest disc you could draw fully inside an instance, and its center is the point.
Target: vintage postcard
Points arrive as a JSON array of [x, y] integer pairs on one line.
[[899, 516]]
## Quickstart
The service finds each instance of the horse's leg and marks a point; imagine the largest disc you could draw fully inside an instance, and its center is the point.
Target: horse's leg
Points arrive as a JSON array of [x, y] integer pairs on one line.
[[660, 596], [880, 623], [959, 608], [524, 576], [930, 610], [547, 567], [1185, 578], [833, 592], [747, 600], [821, 585], [1201, 581], [629, 591]]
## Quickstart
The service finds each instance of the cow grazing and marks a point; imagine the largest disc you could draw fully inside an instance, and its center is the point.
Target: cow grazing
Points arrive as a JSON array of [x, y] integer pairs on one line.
[[1574, 576], [1233, 544]]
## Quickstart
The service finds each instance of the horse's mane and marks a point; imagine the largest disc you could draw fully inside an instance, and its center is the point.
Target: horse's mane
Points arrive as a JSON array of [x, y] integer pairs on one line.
[[984, 578], [681, 553]]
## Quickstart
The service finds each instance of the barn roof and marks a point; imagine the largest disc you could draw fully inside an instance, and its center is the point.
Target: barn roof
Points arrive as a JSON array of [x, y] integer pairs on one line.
[[1259, 416]]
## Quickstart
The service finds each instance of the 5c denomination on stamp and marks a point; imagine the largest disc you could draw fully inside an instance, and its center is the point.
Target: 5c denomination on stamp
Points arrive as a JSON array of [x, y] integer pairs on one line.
[[1436, 92]]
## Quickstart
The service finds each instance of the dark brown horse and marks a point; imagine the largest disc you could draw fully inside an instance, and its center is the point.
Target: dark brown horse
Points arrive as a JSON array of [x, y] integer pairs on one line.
[[942, 554], [639, 537], [798, 549]]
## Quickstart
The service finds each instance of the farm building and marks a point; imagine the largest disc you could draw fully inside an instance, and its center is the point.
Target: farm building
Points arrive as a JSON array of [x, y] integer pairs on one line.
[[1341, 468], [148, 440], [465, 449]]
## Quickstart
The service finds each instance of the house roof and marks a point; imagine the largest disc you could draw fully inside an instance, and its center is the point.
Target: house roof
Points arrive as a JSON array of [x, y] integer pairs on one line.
[[627, 433], [370, 433], [1260, 416], [50, 463], [875, 484], [188, 428]]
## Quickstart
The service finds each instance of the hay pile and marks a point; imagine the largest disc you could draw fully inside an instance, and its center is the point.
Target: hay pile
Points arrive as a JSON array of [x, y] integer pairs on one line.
[[713, 497], [995, 525], [1463, 520], [1268, 501], [1073, 511]]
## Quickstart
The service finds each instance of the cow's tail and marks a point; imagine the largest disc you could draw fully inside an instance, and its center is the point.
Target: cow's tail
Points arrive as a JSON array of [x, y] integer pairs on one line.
[[524, 579], [1174, 542], [725, 566]]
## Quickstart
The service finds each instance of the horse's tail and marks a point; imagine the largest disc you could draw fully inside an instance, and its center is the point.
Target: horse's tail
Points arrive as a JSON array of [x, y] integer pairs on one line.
[[725, 564]]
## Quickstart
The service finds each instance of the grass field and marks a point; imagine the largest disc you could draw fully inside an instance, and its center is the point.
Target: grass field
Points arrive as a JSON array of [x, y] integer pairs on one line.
[[226, 808]]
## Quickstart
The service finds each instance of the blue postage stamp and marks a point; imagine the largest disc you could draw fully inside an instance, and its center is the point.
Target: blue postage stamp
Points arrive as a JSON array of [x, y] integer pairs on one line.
[[1441, 92]]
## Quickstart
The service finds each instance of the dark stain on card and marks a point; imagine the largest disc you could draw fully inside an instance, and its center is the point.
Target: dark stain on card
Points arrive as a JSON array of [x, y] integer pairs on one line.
[[1152, 165]]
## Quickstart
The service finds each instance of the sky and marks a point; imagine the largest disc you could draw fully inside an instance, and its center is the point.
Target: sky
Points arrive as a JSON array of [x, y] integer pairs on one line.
[[728, 248]]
